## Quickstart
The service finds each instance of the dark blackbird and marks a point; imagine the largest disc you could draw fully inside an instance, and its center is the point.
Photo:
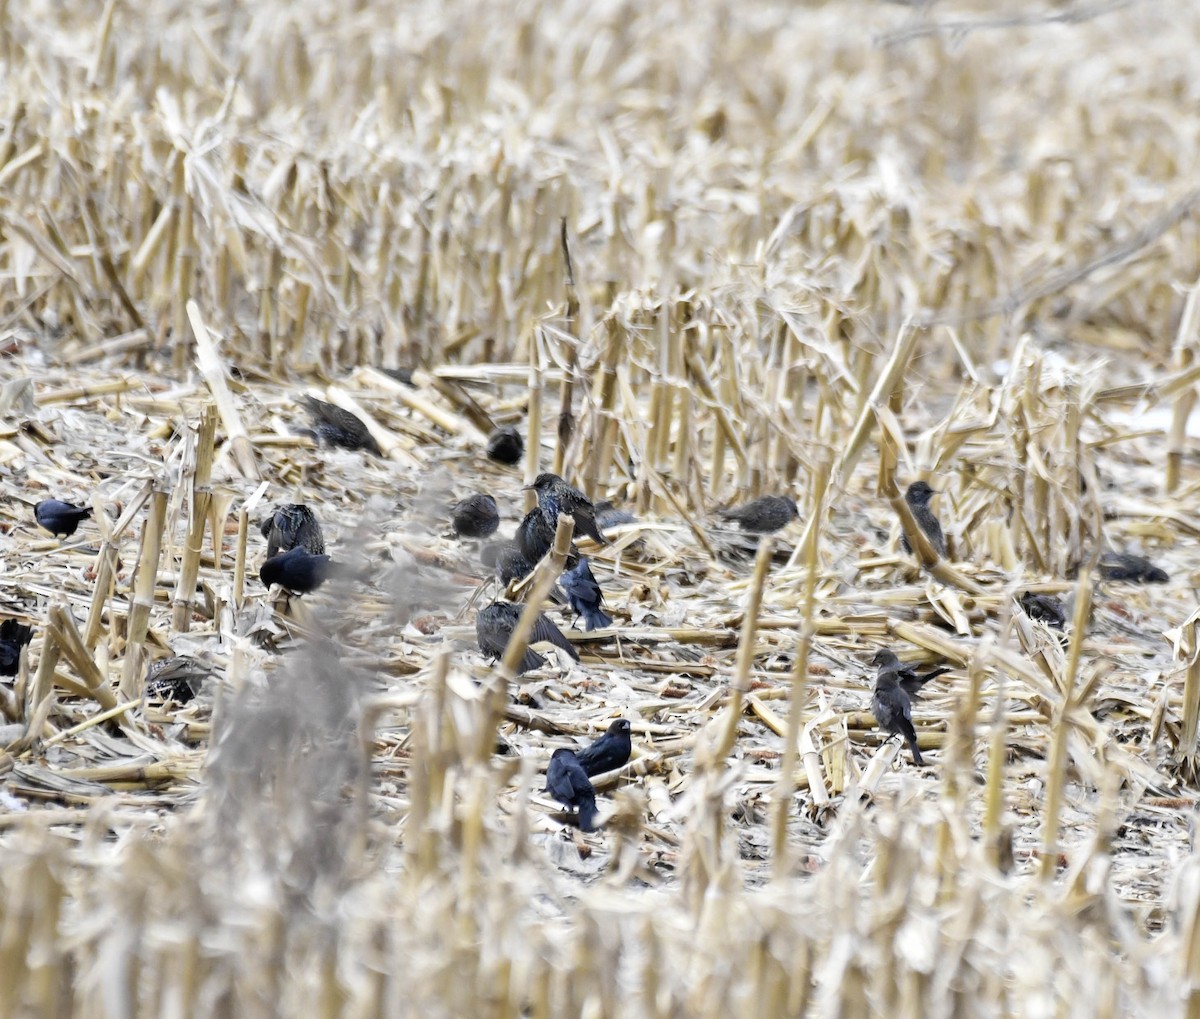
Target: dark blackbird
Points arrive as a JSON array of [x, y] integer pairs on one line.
[[909, 680], [292, 525], [584, 595], [893, 711], [568, 783], [60, 518], [339, 427], [476, 516], [505, 446], [1125, 566], [299, 571], [917, 497], [505, 558], [763, 515], [404, 375], [535, 537], [13, 637], [607, 515], [1045, 607], [555, 496], [610, 751], [495, 623]]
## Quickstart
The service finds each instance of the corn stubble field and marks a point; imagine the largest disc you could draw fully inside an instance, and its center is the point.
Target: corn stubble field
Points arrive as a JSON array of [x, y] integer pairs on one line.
[[701, 250]]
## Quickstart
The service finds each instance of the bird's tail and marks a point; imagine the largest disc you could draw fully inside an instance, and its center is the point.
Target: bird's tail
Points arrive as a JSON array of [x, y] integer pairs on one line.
[[596, 619], [910, 736], [587, 815]]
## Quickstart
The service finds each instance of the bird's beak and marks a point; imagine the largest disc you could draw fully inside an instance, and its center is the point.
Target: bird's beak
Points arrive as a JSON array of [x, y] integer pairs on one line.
[[527, 488]]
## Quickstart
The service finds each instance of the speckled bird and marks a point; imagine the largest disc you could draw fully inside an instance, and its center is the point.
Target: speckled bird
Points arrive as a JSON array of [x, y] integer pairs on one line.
[[476, 516], [339, 427], [494, 627], [763, 515], [917, 497], [290, 526], [555, 497]]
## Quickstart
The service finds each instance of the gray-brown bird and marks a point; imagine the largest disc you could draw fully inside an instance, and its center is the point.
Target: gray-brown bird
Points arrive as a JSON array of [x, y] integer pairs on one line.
[[909, 680], [555, 496], [494, 627], [292, 525], [763, 515], [917, 497], [893, 711]]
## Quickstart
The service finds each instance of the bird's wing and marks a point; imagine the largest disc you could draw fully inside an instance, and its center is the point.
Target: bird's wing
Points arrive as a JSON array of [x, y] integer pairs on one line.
[[545, 630]]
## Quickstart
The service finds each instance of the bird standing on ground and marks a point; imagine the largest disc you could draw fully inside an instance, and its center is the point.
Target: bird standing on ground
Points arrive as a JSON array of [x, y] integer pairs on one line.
[[13, 637], [339, 427], [609, 752], [505, 446], [299, 571], [917, 497], [476, 516], [893, 710], [555, 496], [568, 783], [584, 595], [1045, 607], [494, 627], [1127, 566], [908, 678], [60, 518], [535, 537], [763, 515], [292, 525]]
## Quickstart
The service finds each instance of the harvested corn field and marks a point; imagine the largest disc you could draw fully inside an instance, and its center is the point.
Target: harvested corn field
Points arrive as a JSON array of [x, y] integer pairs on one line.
[[692, 254]]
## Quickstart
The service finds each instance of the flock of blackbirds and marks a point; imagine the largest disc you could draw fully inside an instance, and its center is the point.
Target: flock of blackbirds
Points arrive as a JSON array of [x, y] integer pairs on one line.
[[296, 561]]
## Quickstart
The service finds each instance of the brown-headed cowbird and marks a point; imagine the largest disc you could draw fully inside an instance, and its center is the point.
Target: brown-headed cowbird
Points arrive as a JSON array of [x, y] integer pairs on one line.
[[909, 679], [1126, 566], [893, 711], [494, 626], [13, 637], [339, 427], [299, 571], [60, 518], [610, 751], [555, 496], [763, 515], [584, 595], [292, 525], [917, 497], [505, 446], [1045, 607], [476, 516], [568, 783]]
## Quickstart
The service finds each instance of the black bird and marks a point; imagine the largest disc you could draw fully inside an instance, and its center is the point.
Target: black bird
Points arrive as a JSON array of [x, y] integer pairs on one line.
[[1045, 607], [535, 537], [893, 711], [584, 595], [292, 525], [339, 427], [917, 497], [555, 496], [476, 516], [505, 446], [608, 515], [568, 783], [610, 751], [299, 571], [1126, 566], [177, 679], [60, 518], [494, 626], [763, 515], [13, 637], [505, 558], [909, 680]]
